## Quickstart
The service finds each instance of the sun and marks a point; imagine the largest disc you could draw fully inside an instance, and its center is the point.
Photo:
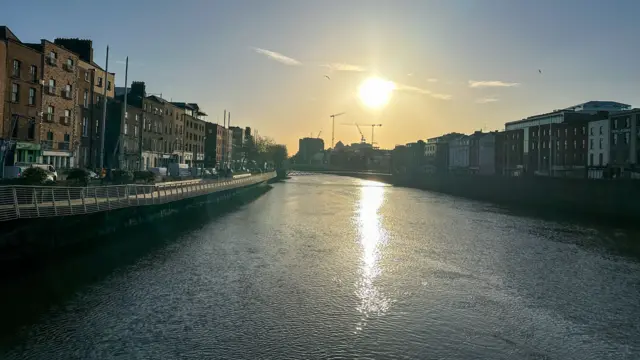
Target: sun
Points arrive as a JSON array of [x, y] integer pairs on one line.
[[375, 92]]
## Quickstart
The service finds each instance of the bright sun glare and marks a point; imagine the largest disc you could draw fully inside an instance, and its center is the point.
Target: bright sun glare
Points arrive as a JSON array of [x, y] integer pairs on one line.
[[375, 92]]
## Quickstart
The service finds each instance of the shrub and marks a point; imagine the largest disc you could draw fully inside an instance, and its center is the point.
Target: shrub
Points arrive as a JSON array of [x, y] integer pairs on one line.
[[121, 176], [34, 176], [144, 175], [80, 176]]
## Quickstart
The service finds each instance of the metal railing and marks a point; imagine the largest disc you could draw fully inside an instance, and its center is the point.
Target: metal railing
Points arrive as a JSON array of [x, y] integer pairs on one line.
[[20, 202]]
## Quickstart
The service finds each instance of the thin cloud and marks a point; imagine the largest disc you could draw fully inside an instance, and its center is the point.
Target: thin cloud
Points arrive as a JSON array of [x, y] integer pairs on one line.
[[344, 67], [278, 57], [418, 90], [486, 100], [432, 80], [493, 83]]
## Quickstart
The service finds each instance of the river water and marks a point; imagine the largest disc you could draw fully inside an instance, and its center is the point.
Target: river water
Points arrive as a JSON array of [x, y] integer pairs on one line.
[[334, 267]]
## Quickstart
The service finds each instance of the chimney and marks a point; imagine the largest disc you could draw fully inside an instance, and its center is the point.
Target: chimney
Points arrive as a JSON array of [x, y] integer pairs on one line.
[[82, 47], [138, 89]]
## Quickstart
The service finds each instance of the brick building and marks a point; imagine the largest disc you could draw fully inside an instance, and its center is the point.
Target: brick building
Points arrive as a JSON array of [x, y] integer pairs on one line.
[[122, 138], [58, 132], [213, 145], [509, 150], [91, 87], [624, 128], [20, 98], [193, 134]]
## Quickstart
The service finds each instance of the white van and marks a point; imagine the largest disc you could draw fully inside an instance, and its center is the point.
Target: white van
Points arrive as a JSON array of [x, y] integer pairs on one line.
[[46, 167]]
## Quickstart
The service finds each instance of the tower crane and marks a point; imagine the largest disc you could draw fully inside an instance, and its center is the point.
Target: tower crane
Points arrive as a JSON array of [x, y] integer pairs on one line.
[[362, 139], [333, 126]]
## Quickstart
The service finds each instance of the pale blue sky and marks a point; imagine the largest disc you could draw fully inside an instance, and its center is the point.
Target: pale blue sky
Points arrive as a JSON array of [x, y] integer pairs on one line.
[[204, 52]]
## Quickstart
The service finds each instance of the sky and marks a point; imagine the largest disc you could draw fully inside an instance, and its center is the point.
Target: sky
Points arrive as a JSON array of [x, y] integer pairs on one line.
[[457, 65]]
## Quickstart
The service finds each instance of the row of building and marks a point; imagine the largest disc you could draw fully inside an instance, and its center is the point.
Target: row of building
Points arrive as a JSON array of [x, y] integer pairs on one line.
[[52, 105], [592, 139]]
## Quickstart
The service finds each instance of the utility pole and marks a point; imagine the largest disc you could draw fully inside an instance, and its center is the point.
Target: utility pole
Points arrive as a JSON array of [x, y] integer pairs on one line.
[[224, 135], [104, 109], [124, 115], [229, 154]]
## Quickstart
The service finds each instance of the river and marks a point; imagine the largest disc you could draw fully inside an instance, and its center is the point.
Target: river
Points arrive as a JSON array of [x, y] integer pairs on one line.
[[335, 267]]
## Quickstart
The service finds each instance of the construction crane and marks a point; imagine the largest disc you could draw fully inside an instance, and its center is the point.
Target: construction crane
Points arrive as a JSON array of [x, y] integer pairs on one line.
[[333, 126], [362, 139]]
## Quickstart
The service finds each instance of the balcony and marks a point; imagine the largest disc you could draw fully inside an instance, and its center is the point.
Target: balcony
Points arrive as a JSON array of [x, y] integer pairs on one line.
[[63, 145], [47, 144]]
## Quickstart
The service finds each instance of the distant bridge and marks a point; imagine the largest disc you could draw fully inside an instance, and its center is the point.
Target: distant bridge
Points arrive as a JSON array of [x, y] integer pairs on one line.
[[385, 177]]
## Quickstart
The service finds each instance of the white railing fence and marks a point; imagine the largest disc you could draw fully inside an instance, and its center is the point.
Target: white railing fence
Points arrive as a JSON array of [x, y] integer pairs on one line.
[[18, 202]]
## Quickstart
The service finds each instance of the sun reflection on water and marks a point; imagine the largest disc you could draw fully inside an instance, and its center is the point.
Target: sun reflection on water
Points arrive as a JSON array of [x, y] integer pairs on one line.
[[372, 238]]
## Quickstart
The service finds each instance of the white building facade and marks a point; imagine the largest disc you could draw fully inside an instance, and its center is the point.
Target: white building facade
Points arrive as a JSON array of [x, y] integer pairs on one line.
[[599, 135], [459, 153]]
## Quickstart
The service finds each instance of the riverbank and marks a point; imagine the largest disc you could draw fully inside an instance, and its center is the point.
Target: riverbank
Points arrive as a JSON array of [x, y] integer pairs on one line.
[[32, 239], [614, 202]]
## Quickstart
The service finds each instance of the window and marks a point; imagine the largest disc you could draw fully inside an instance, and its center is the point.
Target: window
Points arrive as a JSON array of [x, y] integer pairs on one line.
[[575, 144], [85, 126], [126, 128], [591, 143], [584, 130], [67, 113], [600, 159], [575, 131], [615, 139], [566, 132], [99, 81], [86, 76], [544, 144], [135, 129], [590, 131], [66, 138], [626, 138], [16, 68], [15, 93], [591, 159], [544, 132], [614, 122], [584, 143], [601, 140], [52, 83], [50, 136], [32, 96], [98, 99], [108, 85], [601, 130], [31, 133], [67, 90], [33, 73], [51, 109], [626, 122], [85, 99], [53, 55], [97, 127]]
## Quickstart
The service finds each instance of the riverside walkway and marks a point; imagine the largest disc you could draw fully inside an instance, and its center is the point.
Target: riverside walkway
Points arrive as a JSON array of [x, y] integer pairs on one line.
[[20, 202]]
